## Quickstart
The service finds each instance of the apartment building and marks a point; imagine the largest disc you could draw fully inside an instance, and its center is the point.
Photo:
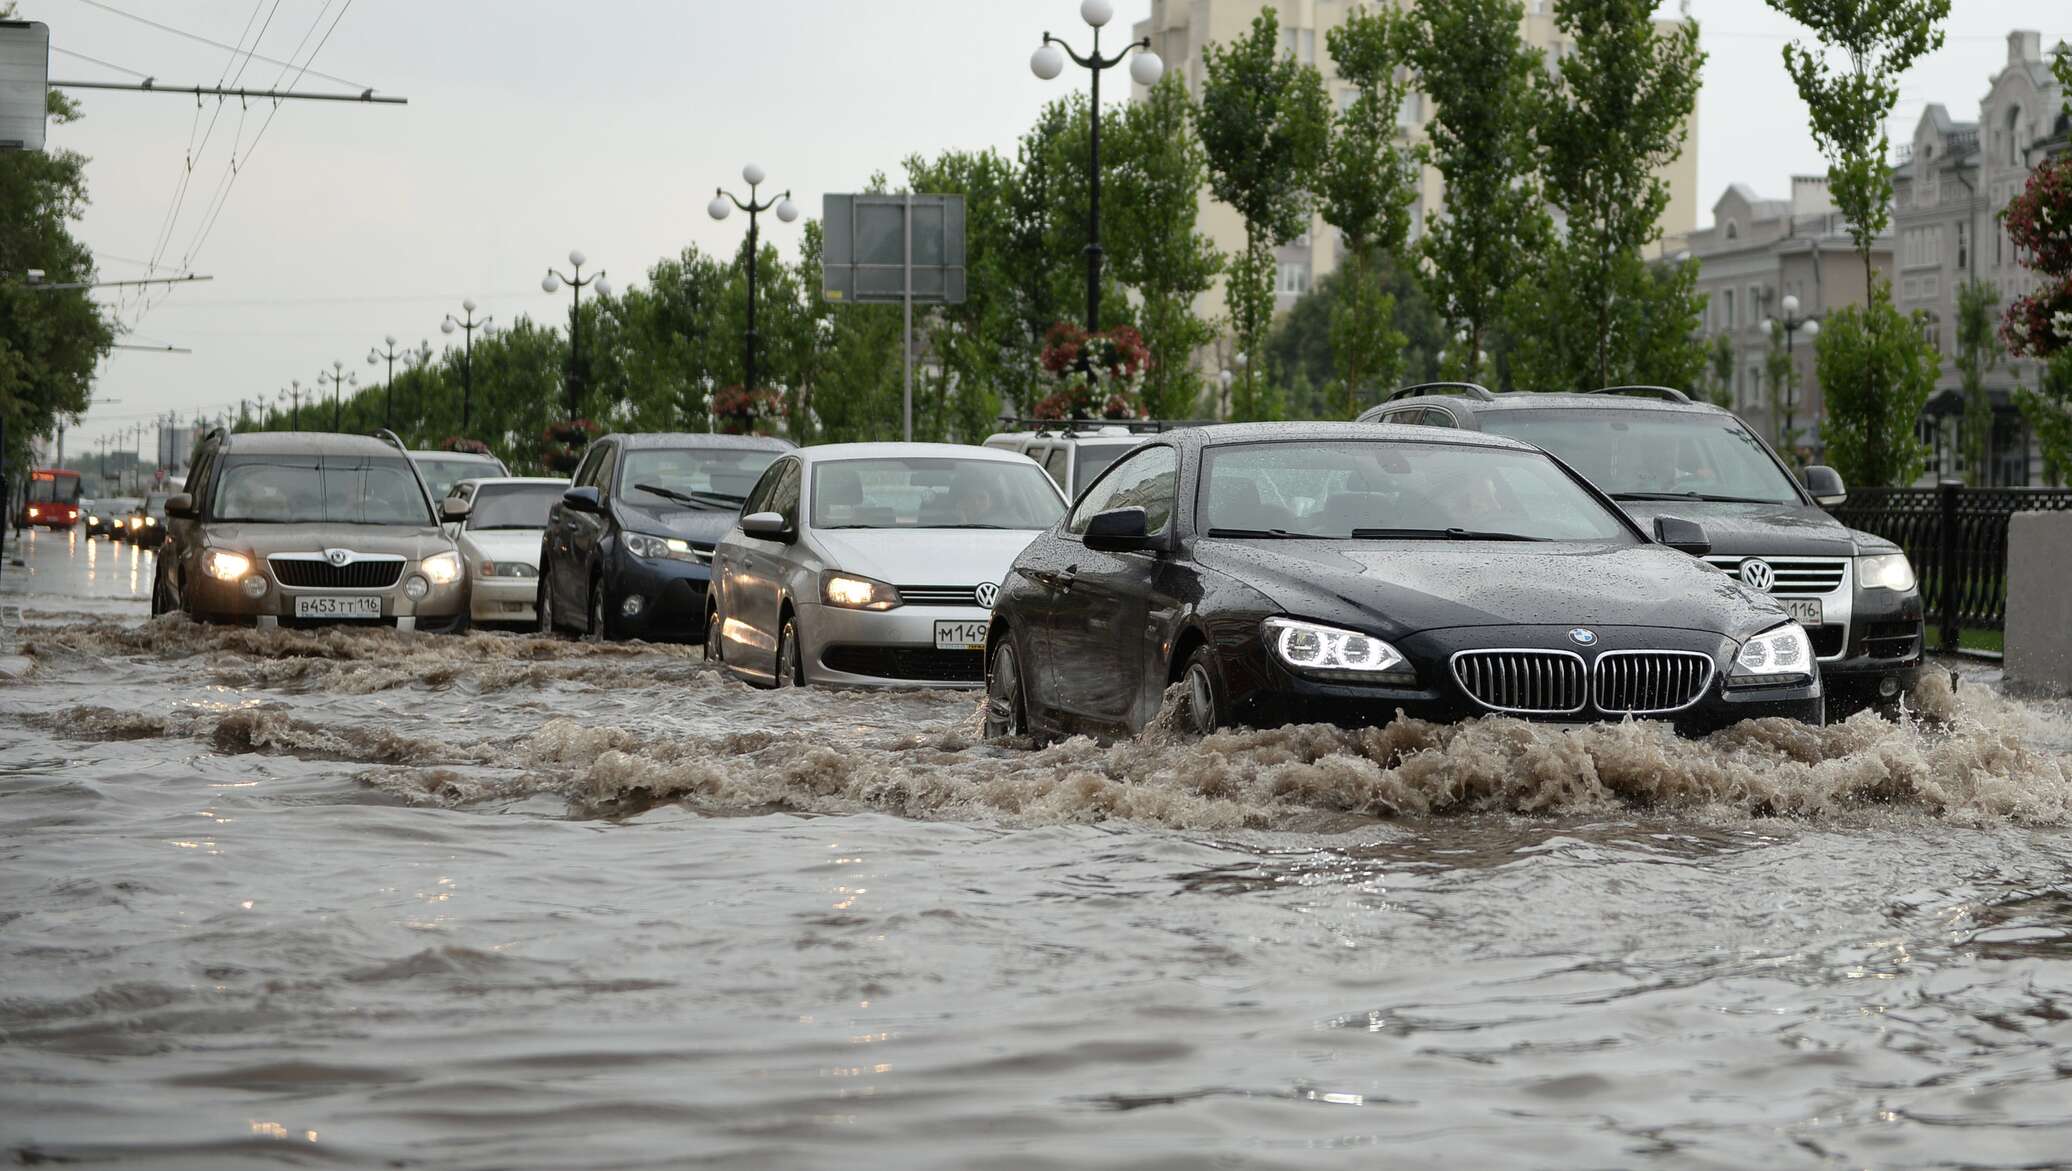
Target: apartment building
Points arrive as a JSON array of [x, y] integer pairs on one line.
[[1181, 29], [1756, 252], [1951, 182]]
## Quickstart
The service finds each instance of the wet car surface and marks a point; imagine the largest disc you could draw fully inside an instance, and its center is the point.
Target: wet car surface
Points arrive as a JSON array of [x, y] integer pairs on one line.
[[362, 899]]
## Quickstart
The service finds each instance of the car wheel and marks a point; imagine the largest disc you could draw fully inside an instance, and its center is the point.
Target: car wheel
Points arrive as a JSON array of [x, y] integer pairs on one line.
[[1203, 708], [713, 653], [1007, 709], [161, 596], [791, 669], [543, 606], [596, 627]]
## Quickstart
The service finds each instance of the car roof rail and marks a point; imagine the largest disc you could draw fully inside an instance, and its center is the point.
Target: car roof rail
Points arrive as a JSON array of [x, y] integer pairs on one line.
[[1665, 393], [1473, 390], [1072, 428]]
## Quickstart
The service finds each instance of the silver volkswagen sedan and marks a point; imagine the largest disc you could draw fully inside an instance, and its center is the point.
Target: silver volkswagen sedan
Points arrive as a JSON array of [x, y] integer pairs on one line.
[[873, 564]]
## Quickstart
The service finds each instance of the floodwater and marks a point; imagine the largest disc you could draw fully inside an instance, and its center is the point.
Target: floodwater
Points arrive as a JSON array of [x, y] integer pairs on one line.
[[349, 899]]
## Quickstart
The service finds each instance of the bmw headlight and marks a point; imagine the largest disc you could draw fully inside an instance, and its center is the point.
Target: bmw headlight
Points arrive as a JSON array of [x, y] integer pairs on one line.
[[851, 592], [1886, 571], [223, 565], [1327, 650], [664, 548], [441, 568], [1779, 655]]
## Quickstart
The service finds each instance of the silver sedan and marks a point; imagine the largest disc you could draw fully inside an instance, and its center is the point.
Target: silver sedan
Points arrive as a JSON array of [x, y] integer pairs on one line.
[[873, 564]]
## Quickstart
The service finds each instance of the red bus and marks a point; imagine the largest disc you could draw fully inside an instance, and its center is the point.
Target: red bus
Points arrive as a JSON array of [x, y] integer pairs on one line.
[[53, 499]]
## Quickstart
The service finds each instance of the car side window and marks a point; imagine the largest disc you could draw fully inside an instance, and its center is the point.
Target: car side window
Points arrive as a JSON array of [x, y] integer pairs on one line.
[[1059, 464], [784, 500], [1440, 417], [758, 499], [586, 472], [1148, 480], [607, 470]]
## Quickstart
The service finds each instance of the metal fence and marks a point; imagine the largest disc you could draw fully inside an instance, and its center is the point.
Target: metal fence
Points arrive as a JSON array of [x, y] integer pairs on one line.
[[1957, 539]]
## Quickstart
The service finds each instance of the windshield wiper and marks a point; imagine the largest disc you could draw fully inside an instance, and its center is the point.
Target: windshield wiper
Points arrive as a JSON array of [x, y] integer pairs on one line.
[[1702, 497], [972, 525], [694, 499], [1437, 535], [1256, 533]]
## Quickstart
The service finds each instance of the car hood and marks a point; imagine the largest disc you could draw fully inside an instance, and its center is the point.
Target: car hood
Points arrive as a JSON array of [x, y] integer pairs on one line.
[[948, 557], [1398, 588], [414, 543], [1754, 530], [505, 544], [705, 526]]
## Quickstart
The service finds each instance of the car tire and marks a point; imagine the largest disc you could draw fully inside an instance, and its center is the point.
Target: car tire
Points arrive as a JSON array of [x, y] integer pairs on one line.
[[1007, 702], [543, 606], [1203, 706], [161, 595], [713, 652], [596, 619], [791, 669]]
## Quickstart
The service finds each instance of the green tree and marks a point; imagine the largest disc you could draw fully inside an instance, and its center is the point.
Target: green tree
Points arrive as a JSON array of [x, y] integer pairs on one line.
[[1265, 124], [50, 341], [1302, 349], [1849, 84], [973, 343], [1156, 183], [1719, 388], [1877, 375], [1781, 379], [1494, 235], [1610, 115], [1367, 183], [1978, 352]]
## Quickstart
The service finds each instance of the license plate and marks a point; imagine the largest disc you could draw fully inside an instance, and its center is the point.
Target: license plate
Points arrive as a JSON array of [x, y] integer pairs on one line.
[[960, 636], [1805, 611], [322, 606]]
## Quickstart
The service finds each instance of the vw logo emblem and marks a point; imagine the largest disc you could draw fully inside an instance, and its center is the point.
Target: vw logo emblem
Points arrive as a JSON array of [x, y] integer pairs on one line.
[[1582, 636], [337, 556], [1757, 574], [987, 593]]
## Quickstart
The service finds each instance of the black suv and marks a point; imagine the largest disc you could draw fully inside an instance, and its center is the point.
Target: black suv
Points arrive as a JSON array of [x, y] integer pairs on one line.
[[628, 548], [1658, 453]]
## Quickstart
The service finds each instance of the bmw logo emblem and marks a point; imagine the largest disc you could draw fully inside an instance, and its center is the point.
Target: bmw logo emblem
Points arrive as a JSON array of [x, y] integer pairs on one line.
[[1582, 636]]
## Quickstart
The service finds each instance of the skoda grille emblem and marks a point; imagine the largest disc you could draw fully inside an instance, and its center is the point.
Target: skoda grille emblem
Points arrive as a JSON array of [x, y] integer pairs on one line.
[[337, 556], [1758, 574], [1582, 636], [987, 593]]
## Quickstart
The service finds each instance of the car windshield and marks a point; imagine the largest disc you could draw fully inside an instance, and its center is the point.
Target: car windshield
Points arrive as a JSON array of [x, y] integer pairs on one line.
[[281, 489], [933, 492], [45, 488], [441, 474], [1654, 454], [513, 506], [691, 477], [1382, 489]]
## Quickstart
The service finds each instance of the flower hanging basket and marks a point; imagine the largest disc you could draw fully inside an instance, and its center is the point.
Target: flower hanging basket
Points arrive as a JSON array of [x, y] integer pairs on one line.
[[1099, 375], [738, 411]]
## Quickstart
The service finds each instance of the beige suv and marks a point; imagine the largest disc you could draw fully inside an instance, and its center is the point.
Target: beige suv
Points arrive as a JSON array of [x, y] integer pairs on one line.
[[302, 529]]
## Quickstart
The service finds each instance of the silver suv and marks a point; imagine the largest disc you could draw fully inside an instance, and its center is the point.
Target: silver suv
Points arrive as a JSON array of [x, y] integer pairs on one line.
[[301, 529]]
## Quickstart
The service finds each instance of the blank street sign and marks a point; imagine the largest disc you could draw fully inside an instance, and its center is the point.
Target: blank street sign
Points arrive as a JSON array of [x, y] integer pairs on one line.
[[24, 82]]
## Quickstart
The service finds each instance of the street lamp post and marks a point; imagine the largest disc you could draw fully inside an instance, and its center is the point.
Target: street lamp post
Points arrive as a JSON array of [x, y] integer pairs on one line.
[[1792, 324], [294, 395], [722, 205], [338, 379], [467, 326], [1145, 69], [552, 283], [388, 384]]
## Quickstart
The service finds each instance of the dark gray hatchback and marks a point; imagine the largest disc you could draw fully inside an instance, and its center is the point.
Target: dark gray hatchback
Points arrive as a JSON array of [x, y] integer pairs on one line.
[[1658, 453]]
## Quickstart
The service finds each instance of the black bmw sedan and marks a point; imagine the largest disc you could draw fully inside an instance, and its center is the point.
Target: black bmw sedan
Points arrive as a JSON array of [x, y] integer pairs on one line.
[[1301, 572]]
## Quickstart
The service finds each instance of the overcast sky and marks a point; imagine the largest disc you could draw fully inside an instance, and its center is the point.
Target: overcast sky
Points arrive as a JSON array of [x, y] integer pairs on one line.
[[534, 127]]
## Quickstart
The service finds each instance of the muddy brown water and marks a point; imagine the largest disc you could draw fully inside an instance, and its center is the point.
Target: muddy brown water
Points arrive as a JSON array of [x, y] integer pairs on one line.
[[346, 899]]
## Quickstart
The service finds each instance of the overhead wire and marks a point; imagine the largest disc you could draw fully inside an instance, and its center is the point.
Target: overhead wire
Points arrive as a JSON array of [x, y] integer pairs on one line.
[[103, 64], [166, 28]]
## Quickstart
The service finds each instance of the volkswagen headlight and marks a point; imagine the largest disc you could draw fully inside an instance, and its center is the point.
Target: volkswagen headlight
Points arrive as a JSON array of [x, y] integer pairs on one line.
[[1327, 650], [657, 548], [1886, 571], [1779, 655], [223, 565], [441, 568], [856, 593]]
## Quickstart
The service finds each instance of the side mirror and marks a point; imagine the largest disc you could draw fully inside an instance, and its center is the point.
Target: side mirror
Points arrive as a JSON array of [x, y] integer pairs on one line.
[[454, 508], [1119, 530], [180, 505], [1825, 485], [770, 526], [583, 500], [1684, 536]]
